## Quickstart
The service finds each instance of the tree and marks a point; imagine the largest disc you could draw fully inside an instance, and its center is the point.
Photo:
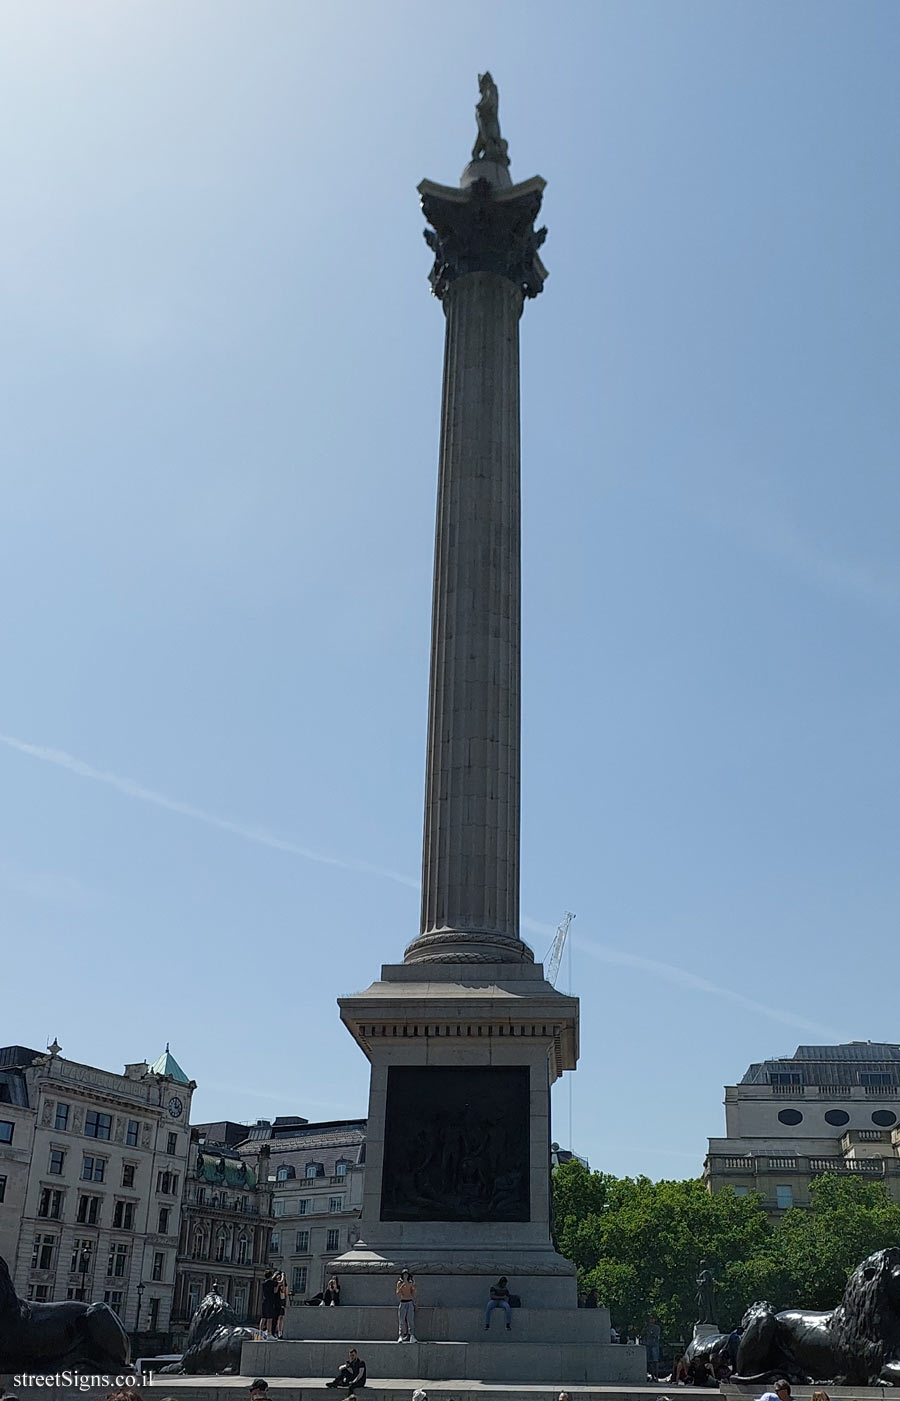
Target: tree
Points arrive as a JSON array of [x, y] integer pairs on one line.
[[818, 1248], [639, 1244]]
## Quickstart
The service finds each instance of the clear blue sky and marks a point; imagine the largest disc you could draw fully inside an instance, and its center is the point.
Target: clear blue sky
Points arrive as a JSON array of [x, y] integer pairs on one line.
[[220, 379]]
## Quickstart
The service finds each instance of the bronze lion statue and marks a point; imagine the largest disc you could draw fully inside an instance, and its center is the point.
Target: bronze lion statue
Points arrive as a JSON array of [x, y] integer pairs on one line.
[[855, 1344], [214, 1339], [39, 1337]]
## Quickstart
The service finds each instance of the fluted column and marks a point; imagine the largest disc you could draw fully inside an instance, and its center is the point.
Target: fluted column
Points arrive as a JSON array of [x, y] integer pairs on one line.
[[470, 865]]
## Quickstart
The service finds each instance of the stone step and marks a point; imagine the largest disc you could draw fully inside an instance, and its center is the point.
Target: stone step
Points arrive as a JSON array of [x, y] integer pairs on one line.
[[228, 1388], [446, 1324], [499, 1356]]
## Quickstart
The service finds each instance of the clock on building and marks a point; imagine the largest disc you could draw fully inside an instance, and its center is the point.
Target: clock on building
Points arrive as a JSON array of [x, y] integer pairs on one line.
[[175, 1107]]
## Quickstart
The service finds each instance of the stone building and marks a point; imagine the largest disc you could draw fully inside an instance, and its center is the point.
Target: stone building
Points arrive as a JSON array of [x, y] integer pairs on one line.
[[826, 1109], [226, 1221], [315, 1175], [91, 1170], [16, 1138]]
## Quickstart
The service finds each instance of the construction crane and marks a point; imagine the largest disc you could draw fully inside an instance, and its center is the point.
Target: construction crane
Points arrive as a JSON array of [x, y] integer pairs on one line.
[[554, 956]]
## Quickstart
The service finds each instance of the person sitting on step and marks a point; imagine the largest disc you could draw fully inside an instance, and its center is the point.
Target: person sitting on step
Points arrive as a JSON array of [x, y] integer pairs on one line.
[[499, 1300], [351, 1373]]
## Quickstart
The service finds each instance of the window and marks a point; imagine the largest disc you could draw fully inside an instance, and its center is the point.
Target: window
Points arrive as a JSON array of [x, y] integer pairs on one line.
[[88, 1211], [332, 1240], [785, 1077], [167, 1182], [92, 1169], [884, 1118], [123, 1216], [242, 1251], [837, 1117], [116, 1264], [172, 1145], [74, 1292], [335, 1203], [875, 1077], [153, 1317], [42, 1252], [2, 1188], [41, 1293], [315, 1170], [790, 1116], [82, 1256], [298, 1282], [340, 1167], [162, 1224], [159, 1265], [197, 1246], [57, 1161], [275, 1243], [221, 1245], [50, 1203], [284, 1174], [305, 1206], [742, 1191], [97, 1125], [61, 1122], [201, 1195], [132, 1130], [113, 1297], [128, 1174], [278, 1209], [302, 1243], [784, 1197], [6, 1131]]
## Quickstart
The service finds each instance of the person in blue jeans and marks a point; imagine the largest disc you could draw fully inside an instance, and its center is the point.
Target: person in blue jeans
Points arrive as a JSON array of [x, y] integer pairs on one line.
[[499, 1300]]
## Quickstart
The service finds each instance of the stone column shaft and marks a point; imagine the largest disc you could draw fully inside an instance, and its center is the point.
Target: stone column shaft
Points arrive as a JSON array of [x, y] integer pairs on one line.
[[485, 265], [470, 869]]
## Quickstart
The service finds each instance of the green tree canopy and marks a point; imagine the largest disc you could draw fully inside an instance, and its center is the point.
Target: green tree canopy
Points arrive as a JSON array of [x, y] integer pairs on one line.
[[640, 1243]]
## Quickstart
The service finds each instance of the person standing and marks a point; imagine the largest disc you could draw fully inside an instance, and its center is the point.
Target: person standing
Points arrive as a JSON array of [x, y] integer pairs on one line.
[[652, 1341], [281, 1293], [269, 1291], [406, 1307]]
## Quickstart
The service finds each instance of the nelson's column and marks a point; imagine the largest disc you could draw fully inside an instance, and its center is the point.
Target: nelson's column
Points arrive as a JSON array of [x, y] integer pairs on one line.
[[466, 1036]]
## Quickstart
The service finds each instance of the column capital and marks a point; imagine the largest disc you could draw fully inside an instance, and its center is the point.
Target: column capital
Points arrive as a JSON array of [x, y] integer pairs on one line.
[[483, 228]]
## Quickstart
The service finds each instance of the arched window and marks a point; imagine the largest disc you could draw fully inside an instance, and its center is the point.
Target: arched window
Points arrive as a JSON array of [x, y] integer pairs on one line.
[[242, 1249], [197, 1244], [285, 1173], [315, 1169], [340, 1167], [221, 1241]]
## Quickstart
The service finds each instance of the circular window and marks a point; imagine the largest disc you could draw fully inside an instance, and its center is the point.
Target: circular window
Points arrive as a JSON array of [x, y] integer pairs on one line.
[[790, 1116], [838, 1117], [884, 1118]]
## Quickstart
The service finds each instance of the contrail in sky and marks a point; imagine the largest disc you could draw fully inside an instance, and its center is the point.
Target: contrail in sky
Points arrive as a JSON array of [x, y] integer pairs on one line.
[[62, 760], [693, 982], [668, 972]]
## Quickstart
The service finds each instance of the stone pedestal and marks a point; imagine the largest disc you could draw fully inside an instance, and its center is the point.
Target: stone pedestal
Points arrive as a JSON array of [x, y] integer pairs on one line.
[[705, 1330], [457, 1185]]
